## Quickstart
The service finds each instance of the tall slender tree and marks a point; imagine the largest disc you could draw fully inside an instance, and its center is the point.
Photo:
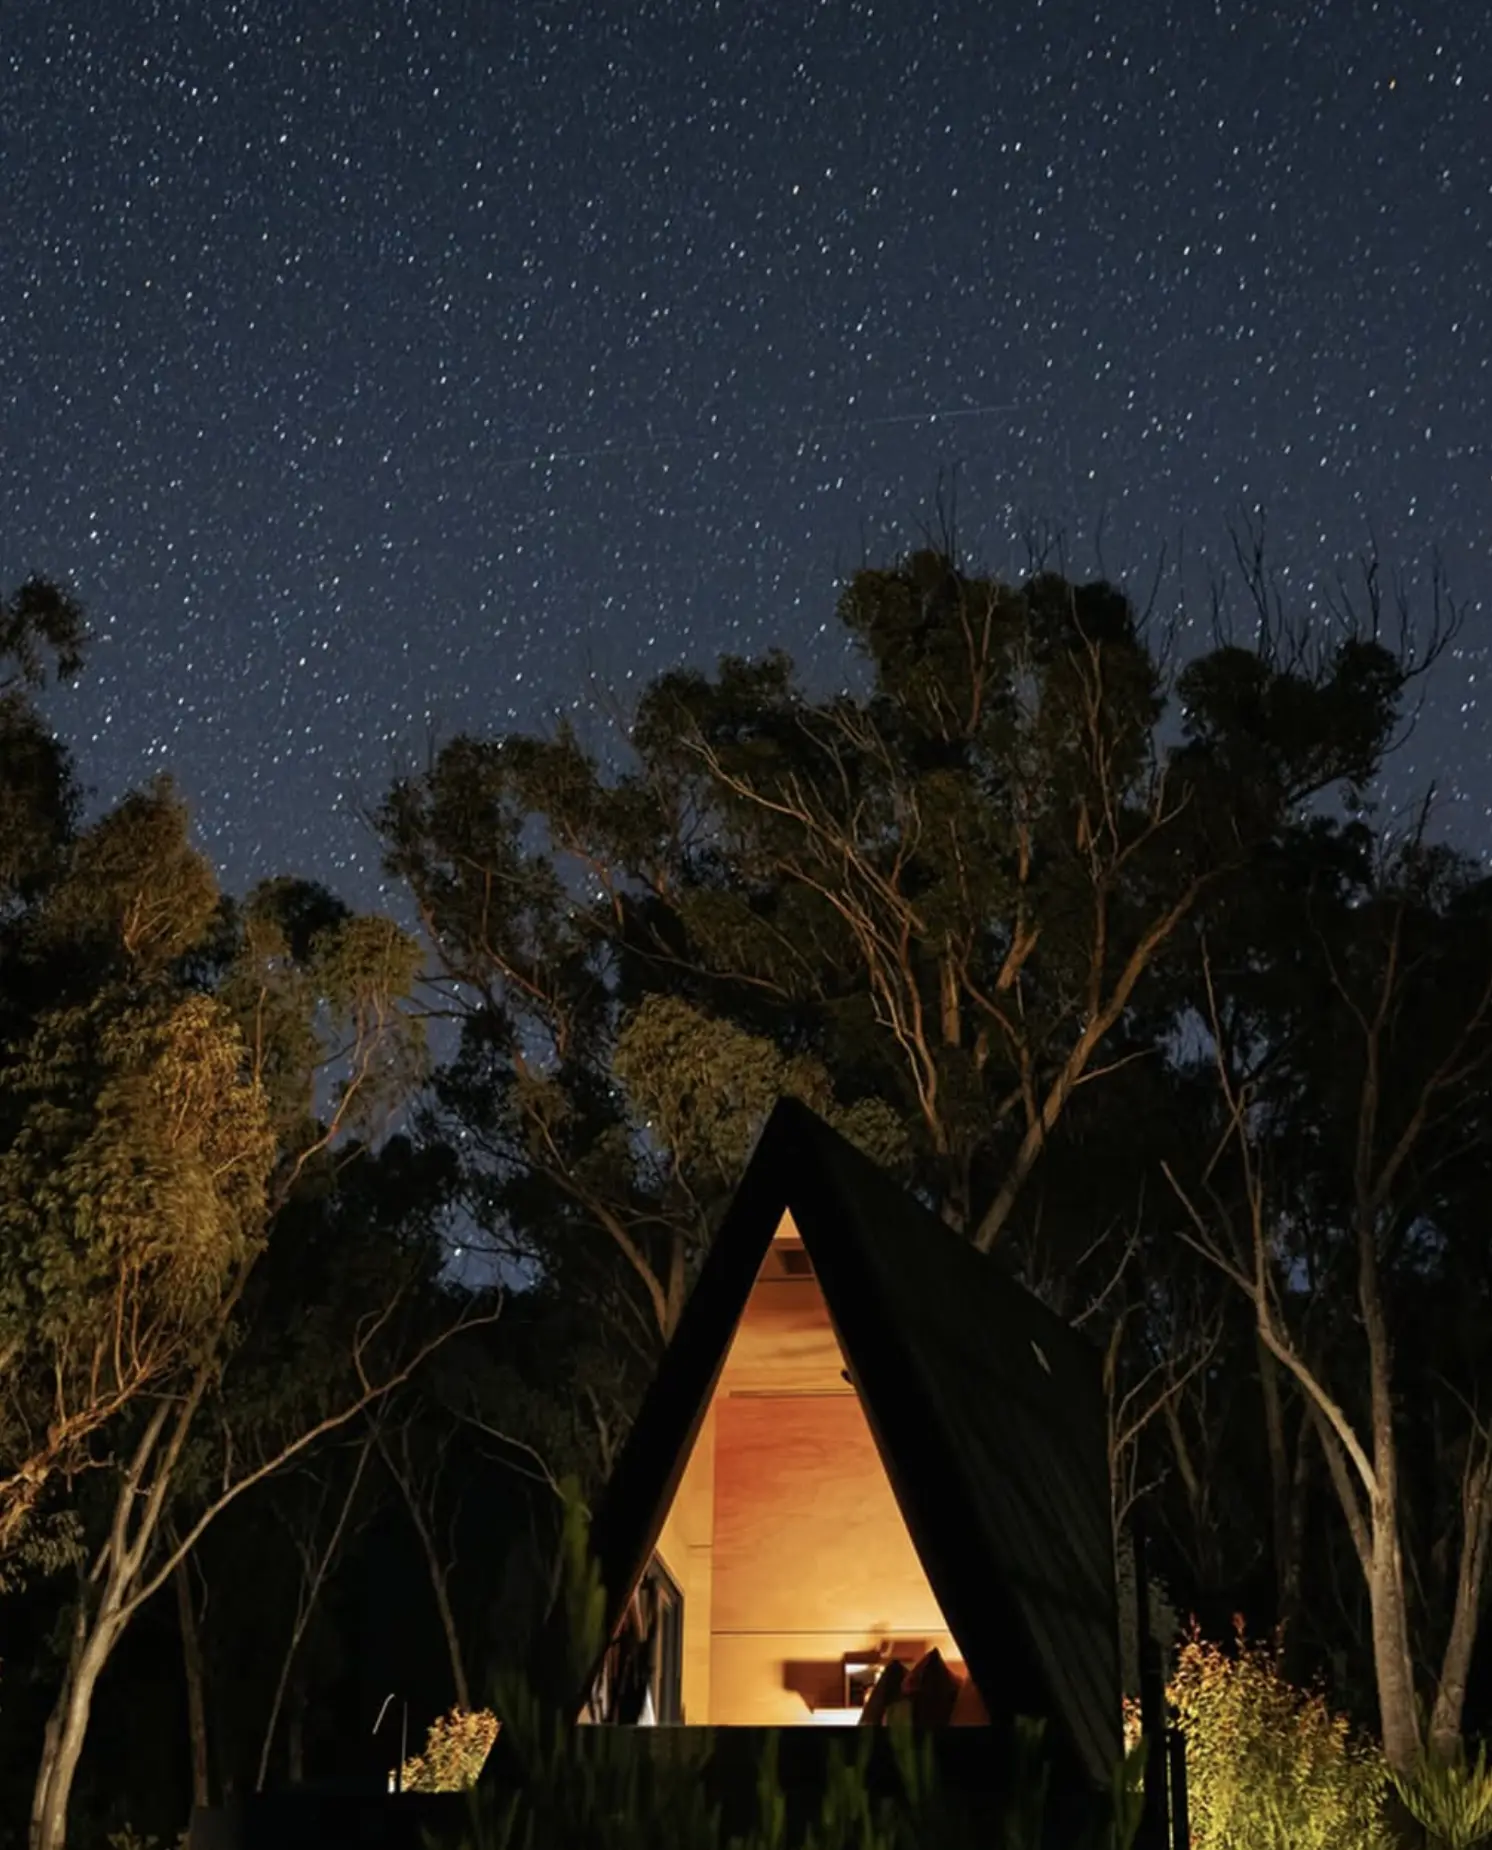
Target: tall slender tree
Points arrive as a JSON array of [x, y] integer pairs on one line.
[[1351, 1134]]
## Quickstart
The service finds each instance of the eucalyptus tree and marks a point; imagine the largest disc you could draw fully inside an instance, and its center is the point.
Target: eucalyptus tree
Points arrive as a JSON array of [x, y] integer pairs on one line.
[[942, 906], [1341, 1189], [175, 1076], [549, 1095]]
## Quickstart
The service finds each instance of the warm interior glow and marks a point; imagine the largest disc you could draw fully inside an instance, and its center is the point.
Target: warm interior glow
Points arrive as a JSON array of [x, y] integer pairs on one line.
[[785, 1537]]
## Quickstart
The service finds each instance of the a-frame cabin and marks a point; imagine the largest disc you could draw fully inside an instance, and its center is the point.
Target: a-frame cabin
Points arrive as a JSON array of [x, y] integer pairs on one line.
[[865, 1443]]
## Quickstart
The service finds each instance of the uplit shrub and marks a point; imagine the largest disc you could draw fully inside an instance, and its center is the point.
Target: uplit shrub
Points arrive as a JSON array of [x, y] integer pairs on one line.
[[1269, 1766], [456, 1750], [1452, 1798]]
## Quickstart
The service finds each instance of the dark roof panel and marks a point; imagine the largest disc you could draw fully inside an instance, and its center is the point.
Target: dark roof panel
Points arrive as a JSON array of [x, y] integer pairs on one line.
[[1014, 1398]]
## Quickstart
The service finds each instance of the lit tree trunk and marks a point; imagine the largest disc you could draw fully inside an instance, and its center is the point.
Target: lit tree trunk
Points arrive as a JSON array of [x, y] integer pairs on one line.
[[102, 1614], [191, 1662], [122, 1581], [1471, 1581], [67, 1726], [1392, 1664], [678, 1285], [1392, 1659], [1367, 1487]]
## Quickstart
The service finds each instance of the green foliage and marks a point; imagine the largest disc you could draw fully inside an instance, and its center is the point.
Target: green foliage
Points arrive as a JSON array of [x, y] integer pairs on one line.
[[586, 1795], [1127, 1797], [1026, 1813], [1269, 1766], [1451, 1798], [133, 1188], [316, 988], [568, 1788], [175, 1075], [141, 1153], [849, 1815], [582, 1597], [704, 1087], [136, 893], [48, 1542], [563, 1785]]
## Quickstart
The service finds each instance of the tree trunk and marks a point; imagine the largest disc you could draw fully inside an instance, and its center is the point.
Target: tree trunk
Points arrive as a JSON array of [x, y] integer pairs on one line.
[[1300, 1483], [1376, 1542], [1279, 1463], [295, 1734], [448, 1626], [191, 1663], [1392, 1663], [120, 1567], [1471, 1579], [282, 1682], [1202, 1552], [1392, 1659], [67, 1725], [52, 1733], [678, 1285], [1287, 1484]]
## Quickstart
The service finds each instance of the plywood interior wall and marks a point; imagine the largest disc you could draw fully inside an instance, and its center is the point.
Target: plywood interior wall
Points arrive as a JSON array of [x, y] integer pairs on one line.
[[785, 1536]]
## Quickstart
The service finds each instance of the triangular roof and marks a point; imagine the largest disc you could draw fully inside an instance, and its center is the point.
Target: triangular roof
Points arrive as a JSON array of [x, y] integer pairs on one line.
[[986, 1408]]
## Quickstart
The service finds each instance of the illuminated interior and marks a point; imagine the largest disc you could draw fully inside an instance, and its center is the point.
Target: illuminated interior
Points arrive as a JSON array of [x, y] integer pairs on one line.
[[798, 1578]]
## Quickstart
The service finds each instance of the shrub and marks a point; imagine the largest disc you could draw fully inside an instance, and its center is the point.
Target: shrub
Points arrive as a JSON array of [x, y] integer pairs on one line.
[[456, 1750], [1452, 1799], [1269, 1766]]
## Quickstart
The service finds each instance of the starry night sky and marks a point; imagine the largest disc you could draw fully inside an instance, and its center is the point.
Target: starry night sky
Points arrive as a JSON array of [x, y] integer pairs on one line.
[[376, 368]]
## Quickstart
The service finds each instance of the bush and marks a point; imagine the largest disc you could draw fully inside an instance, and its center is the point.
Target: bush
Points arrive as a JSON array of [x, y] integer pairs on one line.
[[1269, 1766], [1452, 1798], [456, 1750]]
